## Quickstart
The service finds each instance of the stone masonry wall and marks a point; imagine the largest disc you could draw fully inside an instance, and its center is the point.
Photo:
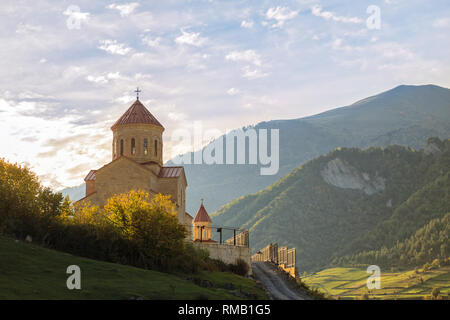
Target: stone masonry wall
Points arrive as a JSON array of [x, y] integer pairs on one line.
[[227, 253]]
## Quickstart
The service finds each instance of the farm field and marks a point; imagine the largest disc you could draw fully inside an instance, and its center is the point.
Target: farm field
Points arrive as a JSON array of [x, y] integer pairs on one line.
[[350, 283]]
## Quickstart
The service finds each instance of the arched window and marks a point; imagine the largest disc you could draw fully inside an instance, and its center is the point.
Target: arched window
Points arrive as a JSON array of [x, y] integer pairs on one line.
[[145, 146], [133, 146], [121, 147], [156, 148]]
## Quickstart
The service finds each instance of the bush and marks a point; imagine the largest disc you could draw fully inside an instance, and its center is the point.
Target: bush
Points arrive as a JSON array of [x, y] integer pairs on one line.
[[364, 296], [435, 293], [240, 267], [435, 264]]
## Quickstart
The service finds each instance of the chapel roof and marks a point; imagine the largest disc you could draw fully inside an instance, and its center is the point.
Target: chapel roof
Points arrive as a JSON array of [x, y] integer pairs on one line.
[[90, 176], [202, 215], [170, 172]]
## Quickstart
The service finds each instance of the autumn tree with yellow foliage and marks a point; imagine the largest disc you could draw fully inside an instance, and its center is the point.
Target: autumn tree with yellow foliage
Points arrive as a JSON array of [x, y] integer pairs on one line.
[[148, 224], [151, 223]]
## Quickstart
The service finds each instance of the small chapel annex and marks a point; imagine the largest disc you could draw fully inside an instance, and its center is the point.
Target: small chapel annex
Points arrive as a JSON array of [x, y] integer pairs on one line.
[[137, 163]]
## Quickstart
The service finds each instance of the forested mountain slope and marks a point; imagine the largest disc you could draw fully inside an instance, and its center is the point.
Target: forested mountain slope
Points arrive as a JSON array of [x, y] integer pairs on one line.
[[348, 201]]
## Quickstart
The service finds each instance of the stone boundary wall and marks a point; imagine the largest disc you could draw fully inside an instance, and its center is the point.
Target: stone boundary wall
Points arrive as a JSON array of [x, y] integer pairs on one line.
[[282, 256], [227, 253]]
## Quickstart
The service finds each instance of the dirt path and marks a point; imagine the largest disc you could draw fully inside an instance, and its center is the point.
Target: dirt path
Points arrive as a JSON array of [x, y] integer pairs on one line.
[[278, 286]]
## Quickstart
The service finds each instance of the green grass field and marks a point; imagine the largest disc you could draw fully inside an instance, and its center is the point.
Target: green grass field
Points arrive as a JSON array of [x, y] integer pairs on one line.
[[28, 271], [350, 283]]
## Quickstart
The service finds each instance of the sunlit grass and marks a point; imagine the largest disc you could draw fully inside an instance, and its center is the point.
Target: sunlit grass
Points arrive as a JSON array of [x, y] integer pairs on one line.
[[350, 283]]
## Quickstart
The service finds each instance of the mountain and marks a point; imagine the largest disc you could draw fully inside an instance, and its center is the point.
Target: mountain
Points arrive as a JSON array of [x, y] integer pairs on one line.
[[405, 115], [74, 193], [347, 201]]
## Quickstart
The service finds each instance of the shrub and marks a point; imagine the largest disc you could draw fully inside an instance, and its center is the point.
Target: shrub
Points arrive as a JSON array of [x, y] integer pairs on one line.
[[435, 293], [435, 264], [364, 296], [240, 267]]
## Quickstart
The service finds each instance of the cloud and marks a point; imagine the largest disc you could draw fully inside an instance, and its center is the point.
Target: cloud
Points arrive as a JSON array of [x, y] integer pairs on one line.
[[190, 38], [27, 28], [65, 85], [83, 167], [125, 98], [328, 15], [247, 56], [247, 24], [233, 91], [49, 144], [151, 42], [281, 15], [113, 47], [125, 9], [253, 73], [441, 23], [103, 79]]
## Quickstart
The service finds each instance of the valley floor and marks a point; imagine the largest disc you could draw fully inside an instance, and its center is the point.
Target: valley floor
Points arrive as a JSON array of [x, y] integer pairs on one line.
[[350, 283]]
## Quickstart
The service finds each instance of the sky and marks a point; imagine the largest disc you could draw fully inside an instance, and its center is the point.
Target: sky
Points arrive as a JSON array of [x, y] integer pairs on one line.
[[68, 69]]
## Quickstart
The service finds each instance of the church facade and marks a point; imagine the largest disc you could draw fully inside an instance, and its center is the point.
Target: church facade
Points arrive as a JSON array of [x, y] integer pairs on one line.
[[137, 163]]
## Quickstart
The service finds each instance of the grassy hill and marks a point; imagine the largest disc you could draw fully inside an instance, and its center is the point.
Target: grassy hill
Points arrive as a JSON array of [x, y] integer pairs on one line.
[[348, 201], [28, 271], [405, 115], [350, 283]]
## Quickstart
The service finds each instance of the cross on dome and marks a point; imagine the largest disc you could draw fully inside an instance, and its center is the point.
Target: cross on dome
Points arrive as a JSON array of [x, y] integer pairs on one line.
[[137, 93]]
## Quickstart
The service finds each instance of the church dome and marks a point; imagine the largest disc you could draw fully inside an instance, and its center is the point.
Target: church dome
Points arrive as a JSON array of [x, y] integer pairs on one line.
[[137, 113], [137, 134]]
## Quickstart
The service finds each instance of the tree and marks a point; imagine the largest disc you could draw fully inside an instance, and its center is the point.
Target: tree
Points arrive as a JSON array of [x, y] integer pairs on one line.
[[67, 209], [26, 207], [151, 223]]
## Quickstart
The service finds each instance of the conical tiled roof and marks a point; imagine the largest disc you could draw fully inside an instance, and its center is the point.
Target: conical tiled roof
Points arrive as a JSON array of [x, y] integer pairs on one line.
[[202, 215], [137, 113]]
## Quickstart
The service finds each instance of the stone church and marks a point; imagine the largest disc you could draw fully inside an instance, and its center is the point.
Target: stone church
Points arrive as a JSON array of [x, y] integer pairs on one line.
[[137, 163]]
